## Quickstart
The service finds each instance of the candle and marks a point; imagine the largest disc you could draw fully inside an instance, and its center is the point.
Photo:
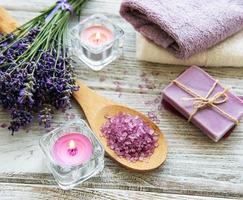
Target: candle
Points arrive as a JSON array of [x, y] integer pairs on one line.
[[96, 41], [72, 149], [72, 153], [96, 35]]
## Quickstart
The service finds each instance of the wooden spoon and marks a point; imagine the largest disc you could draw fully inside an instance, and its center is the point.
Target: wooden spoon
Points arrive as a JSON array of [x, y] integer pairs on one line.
[[96, 108]]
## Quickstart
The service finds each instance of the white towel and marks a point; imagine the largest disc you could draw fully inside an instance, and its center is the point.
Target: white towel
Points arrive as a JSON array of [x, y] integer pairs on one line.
[[227, 53]]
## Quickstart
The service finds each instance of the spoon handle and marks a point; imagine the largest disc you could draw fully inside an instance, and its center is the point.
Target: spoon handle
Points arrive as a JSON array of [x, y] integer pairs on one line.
[[7, 22], [90, 101]]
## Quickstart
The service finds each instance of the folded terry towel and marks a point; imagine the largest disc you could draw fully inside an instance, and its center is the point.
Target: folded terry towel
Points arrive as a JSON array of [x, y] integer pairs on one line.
[[227, 53], [184, 27]]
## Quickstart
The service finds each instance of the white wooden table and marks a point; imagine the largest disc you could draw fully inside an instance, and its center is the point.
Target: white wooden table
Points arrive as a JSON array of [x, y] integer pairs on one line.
[[196, 168]]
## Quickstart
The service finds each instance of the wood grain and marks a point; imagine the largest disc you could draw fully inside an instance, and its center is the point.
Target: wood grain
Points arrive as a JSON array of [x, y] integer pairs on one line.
[[195, 165], [26, 192]]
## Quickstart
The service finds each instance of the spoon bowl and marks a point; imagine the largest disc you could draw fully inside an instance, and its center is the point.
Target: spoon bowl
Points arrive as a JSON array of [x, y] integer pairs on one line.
[[96, 108], [154, 161]]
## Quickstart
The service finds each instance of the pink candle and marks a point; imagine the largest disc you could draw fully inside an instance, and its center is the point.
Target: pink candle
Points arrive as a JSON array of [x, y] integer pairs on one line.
[[72, 149], [96, 35]]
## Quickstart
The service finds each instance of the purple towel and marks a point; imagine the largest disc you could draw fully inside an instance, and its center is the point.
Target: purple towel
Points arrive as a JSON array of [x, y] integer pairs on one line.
[[184, 27]]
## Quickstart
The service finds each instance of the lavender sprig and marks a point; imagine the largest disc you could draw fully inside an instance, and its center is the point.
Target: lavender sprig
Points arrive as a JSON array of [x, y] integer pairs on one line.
[[36, 76]]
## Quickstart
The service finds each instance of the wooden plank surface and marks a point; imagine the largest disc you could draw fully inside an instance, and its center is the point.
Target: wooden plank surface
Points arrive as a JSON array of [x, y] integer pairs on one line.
[[23, 192], [196, 167]]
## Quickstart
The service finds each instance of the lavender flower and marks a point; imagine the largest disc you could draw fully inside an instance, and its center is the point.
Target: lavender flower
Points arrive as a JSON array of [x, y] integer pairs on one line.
[[33, 87], [36, 77]]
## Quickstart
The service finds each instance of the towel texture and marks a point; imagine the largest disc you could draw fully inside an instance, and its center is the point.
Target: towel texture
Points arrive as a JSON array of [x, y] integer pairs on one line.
[[184, 27], [227, 53]]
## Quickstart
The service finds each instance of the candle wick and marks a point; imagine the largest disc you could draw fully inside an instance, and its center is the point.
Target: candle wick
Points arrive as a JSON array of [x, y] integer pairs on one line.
[[73, 151], [97, 37], [72, 148]]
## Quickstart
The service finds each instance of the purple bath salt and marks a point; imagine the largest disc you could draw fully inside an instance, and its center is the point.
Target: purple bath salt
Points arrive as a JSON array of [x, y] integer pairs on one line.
[[215, 117], [129, 136]]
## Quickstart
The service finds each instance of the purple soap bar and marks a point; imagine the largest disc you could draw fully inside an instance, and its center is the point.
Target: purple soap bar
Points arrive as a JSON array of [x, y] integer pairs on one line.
[[212, 122]]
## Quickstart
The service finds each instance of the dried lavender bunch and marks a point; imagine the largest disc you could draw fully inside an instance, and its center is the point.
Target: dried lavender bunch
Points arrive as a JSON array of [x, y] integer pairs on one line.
[[36, 76]]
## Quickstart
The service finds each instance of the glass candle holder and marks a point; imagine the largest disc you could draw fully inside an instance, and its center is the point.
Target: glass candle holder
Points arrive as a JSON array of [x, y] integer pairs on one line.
[[96, 41], [73, 153]]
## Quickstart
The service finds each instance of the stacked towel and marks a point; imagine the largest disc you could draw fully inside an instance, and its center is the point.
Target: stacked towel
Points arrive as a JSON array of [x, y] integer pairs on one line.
[[227, 53], [184, 27]]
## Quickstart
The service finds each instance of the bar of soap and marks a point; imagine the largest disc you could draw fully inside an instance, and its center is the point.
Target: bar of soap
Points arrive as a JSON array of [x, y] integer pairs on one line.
[[213, 123]]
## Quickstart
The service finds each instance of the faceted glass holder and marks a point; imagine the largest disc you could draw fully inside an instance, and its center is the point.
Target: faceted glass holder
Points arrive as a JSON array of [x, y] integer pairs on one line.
[[69, 176], [96, 57]]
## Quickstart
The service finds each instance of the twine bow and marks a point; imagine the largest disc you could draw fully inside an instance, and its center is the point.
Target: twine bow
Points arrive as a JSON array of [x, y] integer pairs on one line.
[[200, 102], [62, 4]]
